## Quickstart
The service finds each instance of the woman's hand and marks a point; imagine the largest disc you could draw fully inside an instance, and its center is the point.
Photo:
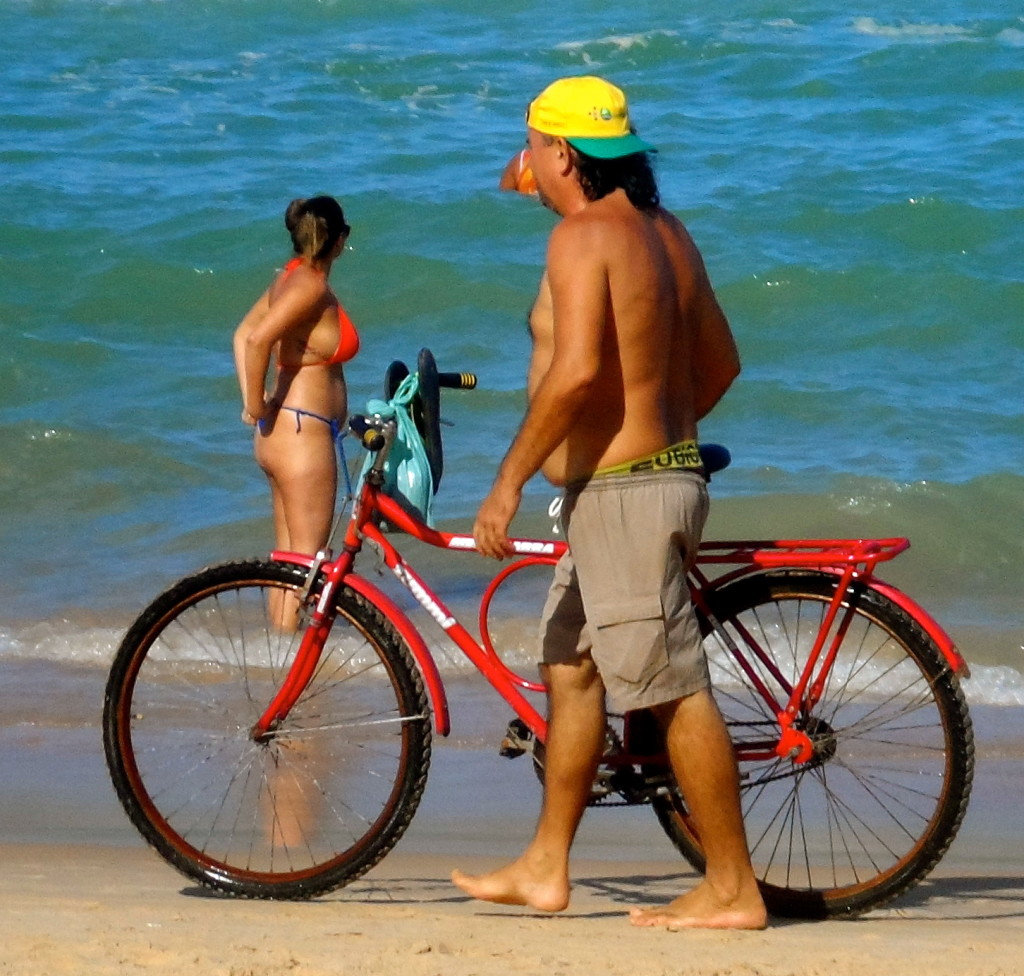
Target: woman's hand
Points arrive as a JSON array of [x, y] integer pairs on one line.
[[253, 417]]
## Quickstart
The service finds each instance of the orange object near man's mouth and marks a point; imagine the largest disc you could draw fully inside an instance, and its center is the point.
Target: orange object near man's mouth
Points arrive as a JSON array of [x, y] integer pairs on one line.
[[518, 176]]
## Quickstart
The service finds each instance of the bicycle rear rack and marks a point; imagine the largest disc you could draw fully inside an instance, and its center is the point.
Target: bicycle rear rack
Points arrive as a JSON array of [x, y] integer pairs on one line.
[[785, 553]]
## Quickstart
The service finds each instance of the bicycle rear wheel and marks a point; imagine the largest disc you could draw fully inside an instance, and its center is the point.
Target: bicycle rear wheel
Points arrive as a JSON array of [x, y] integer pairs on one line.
[[324, 797], [886, 789]]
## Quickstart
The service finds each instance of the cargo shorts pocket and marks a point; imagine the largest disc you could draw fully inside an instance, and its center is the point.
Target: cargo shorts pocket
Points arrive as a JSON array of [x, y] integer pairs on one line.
[[629, 638]]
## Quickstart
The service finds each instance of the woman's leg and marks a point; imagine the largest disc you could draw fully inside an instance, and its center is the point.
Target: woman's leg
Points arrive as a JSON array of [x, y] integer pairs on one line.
[[301, 468], [282, 540], [307, 489]]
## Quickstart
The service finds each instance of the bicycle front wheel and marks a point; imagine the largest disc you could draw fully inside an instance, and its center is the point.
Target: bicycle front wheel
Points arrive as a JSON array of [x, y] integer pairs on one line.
[[312, 806], [886, 788]]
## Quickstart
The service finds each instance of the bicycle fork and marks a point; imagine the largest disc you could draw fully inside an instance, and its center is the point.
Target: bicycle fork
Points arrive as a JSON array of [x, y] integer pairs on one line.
[[314, 636]]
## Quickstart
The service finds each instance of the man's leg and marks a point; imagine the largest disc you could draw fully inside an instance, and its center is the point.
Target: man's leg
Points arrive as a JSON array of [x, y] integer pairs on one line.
[[705, 768], [539, 878]]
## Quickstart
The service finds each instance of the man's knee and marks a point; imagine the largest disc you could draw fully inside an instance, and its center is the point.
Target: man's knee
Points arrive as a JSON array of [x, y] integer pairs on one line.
[[579, 676]]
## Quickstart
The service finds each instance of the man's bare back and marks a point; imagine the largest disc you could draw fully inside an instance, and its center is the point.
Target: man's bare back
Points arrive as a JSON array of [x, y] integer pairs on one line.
[[659, 302]]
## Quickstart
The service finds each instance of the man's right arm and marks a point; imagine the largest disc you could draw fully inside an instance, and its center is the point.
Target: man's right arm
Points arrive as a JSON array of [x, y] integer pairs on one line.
[[578, 282], [716, 360]]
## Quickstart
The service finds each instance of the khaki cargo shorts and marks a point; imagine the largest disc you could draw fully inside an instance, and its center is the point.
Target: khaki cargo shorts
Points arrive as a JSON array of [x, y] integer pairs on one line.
[[620, 592]]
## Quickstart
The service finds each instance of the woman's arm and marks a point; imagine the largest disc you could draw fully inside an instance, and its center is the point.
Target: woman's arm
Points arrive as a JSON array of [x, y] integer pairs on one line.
[[242, 333], [299, 302]]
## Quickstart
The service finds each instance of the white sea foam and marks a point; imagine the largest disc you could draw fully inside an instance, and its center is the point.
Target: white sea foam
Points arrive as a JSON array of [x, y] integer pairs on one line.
[[63, 642], [619, 42], [60, 641], [913, 32], [1012, 37], [996, 685]]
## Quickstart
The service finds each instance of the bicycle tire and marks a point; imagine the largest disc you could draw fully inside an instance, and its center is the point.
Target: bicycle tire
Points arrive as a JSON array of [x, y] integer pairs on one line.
[[322, 799], [886, 790]]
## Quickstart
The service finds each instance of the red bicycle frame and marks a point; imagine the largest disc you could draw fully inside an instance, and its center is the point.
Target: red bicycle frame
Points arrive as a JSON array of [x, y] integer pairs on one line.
[[849, 560]]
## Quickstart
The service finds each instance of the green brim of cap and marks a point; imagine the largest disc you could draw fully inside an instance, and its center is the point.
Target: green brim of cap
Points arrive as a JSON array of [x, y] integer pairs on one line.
[[611, 147]]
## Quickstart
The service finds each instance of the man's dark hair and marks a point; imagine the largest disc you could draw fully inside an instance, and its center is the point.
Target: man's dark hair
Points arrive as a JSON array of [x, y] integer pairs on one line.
[[634, 174]]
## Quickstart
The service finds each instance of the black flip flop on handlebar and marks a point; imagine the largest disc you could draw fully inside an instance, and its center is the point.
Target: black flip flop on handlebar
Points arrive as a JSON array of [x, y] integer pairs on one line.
[[426, 407]]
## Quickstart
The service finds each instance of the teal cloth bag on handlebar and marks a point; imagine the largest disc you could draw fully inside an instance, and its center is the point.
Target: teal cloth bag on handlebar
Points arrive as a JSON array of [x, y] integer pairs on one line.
[[407, 476]]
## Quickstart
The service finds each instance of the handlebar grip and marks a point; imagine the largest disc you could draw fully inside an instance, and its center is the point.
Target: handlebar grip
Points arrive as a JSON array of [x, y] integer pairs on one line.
[[457, 381], [371, 438]]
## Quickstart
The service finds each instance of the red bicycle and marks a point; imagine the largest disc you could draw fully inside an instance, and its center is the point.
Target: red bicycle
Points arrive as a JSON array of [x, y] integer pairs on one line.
[[275, 761]]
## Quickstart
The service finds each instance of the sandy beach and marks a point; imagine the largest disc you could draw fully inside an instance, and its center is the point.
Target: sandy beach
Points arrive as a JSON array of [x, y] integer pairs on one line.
[[93, 910], [80, 894]]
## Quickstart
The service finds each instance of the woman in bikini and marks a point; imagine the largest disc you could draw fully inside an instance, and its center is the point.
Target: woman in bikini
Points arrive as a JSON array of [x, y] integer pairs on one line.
[[299, 321]]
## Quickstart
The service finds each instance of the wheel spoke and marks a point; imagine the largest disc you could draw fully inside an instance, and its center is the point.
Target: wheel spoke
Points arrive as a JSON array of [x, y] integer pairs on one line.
[[884, 789], [316, 802]]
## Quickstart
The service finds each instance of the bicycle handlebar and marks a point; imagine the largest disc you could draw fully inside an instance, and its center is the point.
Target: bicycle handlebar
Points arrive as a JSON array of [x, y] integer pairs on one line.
[[457, 381], [369, 436]]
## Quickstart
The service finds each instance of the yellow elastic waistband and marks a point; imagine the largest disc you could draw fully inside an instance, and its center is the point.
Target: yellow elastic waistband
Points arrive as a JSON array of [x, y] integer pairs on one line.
[[682, 456]]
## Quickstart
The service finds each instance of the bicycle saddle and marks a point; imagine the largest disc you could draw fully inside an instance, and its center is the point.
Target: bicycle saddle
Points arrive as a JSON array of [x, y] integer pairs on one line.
[[715, 458]]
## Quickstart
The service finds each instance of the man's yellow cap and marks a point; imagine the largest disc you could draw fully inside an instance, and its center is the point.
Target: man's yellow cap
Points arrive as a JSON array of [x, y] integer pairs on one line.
[[590, 113]]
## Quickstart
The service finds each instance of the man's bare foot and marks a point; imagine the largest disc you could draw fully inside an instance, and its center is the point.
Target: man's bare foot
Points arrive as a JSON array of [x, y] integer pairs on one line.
[[702, 908], [518, 883]]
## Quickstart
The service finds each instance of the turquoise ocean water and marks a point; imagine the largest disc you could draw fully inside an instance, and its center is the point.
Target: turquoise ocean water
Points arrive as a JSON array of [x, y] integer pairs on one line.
[[853, 179]]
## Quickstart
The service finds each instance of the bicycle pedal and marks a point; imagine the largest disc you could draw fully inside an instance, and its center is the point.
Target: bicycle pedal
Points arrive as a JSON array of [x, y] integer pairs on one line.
[[516, 741]]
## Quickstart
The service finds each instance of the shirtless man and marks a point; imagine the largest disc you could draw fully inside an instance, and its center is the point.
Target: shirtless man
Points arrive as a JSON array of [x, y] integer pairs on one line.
[[630, 350]]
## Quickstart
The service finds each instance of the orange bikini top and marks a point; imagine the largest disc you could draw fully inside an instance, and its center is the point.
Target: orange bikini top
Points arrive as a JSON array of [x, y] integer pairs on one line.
[[348, 338]]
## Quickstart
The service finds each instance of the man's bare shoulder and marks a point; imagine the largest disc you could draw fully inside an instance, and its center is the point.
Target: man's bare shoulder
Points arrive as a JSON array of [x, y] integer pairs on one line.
[[674, 226], [580, 242], [601, 227], [682, 250], [592, 220]]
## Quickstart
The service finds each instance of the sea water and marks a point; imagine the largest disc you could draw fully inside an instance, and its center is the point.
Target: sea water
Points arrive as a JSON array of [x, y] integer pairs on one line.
[[853, 180]]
